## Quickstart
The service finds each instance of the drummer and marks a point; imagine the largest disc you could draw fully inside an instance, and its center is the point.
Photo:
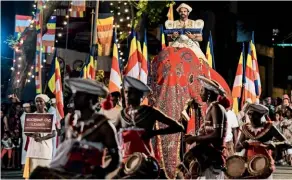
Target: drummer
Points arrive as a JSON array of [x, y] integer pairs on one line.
[[258, 133], [209, 151], [142, 117]]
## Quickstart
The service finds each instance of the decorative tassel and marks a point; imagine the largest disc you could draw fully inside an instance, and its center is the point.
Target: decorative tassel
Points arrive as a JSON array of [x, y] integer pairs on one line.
[[107, 104]]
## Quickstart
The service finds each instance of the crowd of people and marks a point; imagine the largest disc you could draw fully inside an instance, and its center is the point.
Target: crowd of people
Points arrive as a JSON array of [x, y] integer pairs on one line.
[[27, 151]]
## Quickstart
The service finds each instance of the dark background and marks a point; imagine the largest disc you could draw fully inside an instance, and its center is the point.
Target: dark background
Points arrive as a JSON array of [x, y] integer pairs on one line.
[[222, 18]]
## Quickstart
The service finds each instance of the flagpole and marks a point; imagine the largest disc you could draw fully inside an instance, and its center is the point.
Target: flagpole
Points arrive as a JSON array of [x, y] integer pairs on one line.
[[95, 23], [92, 27]]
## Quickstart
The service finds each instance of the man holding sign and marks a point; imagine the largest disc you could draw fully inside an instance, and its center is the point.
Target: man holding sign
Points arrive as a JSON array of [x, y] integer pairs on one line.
[[40, 127]]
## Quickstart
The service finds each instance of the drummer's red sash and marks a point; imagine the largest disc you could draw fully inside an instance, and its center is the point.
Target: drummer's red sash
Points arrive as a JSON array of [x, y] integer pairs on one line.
[[131, 142], [256, 133]]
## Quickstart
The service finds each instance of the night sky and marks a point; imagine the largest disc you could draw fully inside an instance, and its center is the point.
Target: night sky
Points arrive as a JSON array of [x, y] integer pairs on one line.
[[261, 17]]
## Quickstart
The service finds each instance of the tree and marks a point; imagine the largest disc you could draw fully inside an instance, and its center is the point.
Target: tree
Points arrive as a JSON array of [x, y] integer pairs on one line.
[[26, 44]]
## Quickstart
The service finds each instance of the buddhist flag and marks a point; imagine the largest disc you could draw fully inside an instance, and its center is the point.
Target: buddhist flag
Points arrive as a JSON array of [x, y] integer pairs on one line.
[[78, 8], [237, 85], [49, 38], [255, 67], [104, 33], [55, 85], [144, 63], [21, 22], [140, 55], [210, 52], [115, 76], [132, 67], [249, 93], [91, 65], [163, 45], [170, 13]]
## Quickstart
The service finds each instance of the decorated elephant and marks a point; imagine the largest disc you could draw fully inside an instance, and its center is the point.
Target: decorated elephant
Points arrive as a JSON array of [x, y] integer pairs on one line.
[[174, 80]]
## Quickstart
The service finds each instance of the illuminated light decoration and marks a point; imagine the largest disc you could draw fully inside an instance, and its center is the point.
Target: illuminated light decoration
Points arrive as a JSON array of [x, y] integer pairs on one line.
[[121, 32], [41, 66], [117, 40], [32, 67], [60, 34], [121, 19], [44, 6], [119, 7], [123, 60], [55, 10], [12, 68], [70, 9], [120, 57], [18, 72], [121, 53], [129, 25], [45, 60], [32, 76], [119, 50], [114, 26], [29, 73], [8, 79], [19, 65], [273, 39], [18, 80], [71, 3], [28, 80], [19, 58], [52, 17], [112, 11], [111, 4], [21, 41], [31, 26], [56, 41], [65, 22], [67, 16], [129, 32], [125, 3], [119, 13], [118, 26], [128, 17], [283, 45], [34, 5], [53, 48], [126, 10], [14, 60]]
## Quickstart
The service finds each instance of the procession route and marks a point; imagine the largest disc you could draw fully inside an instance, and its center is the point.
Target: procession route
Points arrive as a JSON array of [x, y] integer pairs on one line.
[[282, 172]]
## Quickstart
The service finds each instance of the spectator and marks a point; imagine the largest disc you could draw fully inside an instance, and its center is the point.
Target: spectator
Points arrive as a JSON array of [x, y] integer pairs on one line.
[[16, 152], [232, 126], [7, 146], [40, 148], [268, 104], [286, 125], [25, 139]]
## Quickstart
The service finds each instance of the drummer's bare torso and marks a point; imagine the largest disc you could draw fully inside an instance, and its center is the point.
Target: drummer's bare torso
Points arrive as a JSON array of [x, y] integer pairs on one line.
[[142, 117]]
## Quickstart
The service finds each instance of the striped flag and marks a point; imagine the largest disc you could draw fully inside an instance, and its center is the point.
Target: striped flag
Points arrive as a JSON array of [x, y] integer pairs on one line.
[[140, 55], [144, 63], [237, 85], [78, 8], [104, 33], [38, 62], [49, 38], [170, 13], [132, 67], [91, 65], [210, 52], [115, 76], [55, 85], [84, 72], [255, 67], [248, 81], [163, 45], [21, 22]]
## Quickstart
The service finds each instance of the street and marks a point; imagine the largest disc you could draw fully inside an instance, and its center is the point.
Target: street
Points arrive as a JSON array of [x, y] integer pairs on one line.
[[282, 172]]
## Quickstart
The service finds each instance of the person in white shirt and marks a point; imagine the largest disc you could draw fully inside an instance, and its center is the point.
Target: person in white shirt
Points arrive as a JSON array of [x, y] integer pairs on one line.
[[40, 148], [27, 109], [232, 127]]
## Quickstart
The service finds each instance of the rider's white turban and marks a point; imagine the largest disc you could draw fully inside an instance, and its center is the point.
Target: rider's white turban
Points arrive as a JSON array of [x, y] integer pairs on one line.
[[183, 5]]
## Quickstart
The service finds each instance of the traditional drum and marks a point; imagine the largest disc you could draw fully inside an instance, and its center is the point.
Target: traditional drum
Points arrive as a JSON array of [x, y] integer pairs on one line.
[[193, 165], [141, 165], [235, 167], [259, 166]]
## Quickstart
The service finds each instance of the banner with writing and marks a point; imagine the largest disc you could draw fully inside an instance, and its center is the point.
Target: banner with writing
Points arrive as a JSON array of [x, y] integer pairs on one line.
[[38, 123]]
